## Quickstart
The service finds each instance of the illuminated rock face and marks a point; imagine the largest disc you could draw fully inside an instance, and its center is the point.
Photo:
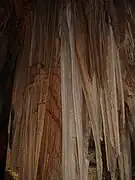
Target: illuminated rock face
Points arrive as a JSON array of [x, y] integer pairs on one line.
[[36, 145]]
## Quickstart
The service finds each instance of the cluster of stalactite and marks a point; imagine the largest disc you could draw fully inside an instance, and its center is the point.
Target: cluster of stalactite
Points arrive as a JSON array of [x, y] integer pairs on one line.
[[97, 64], [72, 64]]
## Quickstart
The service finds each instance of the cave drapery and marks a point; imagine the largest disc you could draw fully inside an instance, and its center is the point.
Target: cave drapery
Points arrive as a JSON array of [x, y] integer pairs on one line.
[[67, 74]]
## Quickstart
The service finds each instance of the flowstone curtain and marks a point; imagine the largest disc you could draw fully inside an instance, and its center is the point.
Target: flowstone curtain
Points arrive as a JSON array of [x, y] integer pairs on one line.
[[36, 144], [75, 75]]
